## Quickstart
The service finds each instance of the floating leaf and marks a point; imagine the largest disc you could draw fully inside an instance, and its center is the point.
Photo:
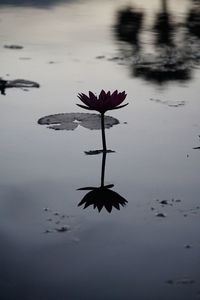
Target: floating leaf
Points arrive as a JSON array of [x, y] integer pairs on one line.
[[70, 121]]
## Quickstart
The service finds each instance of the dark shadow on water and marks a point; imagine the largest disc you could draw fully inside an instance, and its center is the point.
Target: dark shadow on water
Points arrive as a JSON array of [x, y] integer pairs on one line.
[[102, 196], [175, 46]]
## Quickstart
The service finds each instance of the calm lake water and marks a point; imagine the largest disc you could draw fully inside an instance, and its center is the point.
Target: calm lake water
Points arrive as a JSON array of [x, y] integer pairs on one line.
[[51, 248]]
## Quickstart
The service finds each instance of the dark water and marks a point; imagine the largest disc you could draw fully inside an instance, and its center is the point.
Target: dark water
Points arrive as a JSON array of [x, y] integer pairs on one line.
[[137, 238]]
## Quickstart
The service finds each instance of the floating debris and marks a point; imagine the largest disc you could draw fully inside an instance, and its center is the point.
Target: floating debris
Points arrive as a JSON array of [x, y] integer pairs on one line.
[[164, 202], [170, 103], [184, 281], [190, 211], [25, 58], [51, 62], [100, 57], [54, 221], [174, 203], [70, 121], [115, 58], [161, 215], [48, 231], [169, 202], [46, 209], [63, 228], [15, 47], [188, 246]]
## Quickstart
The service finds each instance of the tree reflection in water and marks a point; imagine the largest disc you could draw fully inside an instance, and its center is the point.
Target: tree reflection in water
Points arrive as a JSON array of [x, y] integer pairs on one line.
[[102, 196], [193, 20], [129, 26], [164, 27], [175, 44]]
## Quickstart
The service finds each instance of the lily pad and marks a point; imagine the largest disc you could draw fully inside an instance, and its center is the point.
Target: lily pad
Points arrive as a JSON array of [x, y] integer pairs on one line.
[[70, 121], [17, 83], [22, 83]]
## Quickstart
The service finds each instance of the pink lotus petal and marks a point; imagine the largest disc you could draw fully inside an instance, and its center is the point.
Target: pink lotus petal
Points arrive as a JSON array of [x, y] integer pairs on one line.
[[85, 107], [102, 96], [115, 101], [115, 93], [119, 106], [92, 96], [84, 98], [105, 101]]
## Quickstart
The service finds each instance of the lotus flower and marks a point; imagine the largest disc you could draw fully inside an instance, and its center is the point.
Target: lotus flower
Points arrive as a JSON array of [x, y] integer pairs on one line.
[[105, 101]]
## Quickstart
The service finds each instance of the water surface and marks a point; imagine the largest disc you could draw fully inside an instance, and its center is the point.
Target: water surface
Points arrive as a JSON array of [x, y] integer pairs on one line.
[[150, 49]]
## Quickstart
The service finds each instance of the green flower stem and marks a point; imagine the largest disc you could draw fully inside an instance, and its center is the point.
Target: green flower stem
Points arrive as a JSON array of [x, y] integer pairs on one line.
[[104, 149], [103, 133]]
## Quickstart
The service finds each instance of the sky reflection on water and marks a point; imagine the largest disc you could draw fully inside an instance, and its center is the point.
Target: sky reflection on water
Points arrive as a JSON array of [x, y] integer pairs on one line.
[[75, 48]]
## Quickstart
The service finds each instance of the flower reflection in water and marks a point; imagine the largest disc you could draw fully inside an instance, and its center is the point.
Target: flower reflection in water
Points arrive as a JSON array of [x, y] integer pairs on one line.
[[102, 196]]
